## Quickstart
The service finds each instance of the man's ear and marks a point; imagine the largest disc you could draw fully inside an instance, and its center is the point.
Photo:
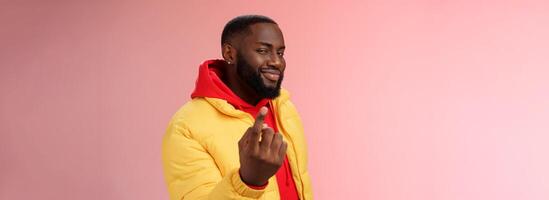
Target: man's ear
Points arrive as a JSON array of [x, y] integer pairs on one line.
[[229, 53]]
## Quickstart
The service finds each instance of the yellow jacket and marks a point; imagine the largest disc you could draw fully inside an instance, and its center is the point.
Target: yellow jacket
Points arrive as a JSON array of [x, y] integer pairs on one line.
[[200, 151]]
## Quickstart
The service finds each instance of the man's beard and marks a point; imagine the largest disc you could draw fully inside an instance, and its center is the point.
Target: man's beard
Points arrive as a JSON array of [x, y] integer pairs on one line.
[[253, 79]]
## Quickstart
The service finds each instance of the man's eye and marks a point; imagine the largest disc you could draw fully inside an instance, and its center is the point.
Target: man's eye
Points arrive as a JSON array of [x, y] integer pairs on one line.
[[262, 51], [280, 53]]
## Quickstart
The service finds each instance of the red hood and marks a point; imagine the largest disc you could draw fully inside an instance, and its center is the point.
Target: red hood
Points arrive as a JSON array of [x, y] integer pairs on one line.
[[209, 84]]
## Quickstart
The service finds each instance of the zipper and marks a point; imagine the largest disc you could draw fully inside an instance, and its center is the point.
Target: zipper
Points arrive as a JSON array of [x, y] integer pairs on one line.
[[279, 125]]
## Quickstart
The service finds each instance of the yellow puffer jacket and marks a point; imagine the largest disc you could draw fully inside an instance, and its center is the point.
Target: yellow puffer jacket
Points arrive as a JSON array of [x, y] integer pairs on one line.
[[200, 151]]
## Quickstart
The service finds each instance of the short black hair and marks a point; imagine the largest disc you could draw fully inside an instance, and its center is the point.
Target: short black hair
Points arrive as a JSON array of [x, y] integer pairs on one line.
[[241, 24]]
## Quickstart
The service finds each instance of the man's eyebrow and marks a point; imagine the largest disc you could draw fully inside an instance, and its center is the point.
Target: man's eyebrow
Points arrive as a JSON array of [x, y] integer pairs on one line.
[[270, 45]]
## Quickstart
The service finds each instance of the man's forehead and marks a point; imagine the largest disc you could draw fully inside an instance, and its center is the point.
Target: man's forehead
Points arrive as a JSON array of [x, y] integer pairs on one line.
[[266, 33]]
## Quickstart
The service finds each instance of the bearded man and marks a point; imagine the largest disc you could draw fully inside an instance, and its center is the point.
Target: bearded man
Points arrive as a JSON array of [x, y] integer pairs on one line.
[[240, 137]]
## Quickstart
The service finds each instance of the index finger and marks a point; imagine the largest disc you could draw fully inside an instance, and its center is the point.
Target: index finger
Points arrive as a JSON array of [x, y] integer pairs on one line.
[[260, 119]]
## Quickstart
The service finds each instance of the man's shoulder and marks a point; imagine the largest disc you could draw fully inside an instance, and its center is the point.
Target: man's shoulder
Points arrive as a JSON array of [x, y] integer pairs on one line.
[[200, 118], [194, 110]]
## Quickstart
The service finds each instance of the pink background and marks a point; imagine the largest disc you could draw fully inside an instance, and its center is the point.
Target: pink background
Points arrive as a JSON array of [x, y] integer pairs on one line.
[[410, 100]]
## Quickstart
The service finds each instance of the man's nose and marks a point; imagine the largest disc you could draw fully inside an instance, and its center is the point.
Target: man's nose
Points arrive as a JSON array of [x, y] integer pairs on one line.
[[275, 61]]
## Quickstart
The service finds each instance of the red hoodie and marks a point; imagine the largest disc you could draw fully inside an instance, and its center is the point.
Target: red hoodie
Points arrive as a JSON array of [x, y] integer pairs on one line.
[[209, 84]]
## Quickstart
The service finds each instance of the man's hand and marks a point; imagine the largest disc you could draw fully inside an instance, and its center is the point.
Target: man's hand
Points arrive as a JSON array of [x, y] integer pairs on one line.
[[261, 152]]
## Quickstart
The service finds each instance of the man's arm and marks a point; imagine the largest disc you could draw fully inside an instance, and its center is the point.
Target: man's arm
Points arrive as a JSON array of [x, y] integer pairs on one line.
[[191, 172]]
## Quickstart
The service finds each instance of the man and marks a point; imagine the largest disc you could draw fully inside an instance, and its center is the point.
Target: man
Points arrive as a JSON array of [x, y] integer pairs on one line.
[[214, 148]]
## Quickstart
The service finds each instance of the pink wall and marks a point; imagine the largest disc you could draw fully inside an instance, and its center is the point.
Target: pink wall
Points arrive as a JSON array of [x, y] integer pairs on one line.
[[415, 100]]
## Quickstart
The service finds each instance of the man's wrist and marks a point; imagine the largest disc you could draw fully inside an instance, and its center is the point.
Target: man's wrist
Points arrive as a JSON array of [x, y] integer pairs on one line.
[[253, 186]]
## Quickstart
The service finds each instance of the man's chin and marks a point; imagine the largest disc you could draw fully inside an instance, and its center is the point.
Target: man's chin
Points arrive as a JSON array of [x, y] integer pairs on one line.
[[271, 88], [270, 92], [270, 84]]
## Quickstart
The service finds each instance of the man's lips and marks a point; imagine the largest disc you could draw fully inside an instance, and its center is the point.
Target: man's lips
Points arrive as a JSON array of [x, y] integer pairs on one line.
[[271, 74]]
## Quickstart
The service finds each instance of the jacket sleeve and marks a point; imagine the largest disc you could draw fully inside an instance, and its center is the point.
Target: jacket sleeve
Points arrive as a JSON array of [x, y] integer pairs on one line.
[[191, 172]]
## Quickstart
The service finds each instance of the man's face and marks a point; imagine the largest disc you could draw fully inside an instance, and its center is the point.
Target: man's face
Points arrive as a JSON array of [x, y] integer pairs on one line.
[[260, 59]]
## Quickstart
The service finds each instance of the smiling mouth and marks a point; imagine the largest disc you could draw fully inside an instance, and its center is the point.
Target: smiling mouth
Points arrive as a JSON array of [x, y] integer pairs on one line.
[[271, 74]]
